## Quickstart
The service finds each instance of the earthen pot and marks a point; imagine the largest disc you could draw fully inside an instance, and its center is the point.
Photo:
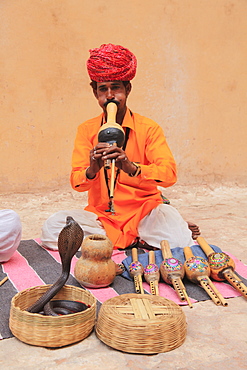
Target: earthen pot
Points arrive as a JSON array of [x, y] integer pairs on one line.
[[95, 268]]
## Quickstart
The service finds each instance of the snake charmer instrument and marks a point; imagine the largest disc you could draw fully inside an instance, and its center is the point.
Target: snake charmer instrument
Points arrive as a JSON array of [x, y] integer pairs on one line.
[[172, 272], [152, 274], [136, 270], [112, 133], [197, 270], [222, 267]]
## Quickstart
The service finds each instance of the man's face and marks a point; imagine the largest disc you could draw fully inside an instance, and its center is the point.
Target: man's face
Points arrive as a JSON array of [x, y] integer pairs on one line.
[[112, 90]]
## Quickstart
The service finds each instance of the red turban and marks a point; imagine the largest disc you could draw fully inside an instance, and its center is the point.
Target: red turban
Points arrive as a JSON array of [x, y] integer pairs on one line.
[[111, 63]]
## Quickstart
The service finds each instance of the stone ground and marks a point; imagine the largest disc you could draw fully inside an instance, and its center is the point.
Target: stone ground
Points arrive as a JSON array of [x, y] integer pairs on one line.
[[216, 336]]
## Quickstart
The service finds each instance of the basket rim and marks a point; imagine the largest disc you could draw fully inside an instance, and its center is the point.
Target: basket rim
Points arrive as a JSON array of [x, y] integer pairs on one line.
[[45, 287], [51, 331]]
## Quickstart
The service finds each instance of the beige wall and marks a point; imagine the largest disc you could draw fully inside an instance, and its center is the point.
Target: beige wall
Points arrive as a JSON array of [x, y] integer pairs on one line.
[[191, 78]]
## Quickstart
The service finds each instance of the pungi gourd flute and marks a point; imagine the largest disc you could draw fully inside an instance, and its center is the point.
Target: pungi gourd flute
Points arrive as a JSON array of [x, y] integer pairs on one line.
[[152, 274], [197, 270], [222, 267], [112, 133], [136, 270], [172, 272]]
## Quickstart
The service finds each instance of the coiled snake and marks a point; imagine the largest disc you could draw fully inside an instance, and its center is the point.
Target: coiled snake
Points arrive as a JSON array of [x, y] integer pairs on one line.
[[69, 241]]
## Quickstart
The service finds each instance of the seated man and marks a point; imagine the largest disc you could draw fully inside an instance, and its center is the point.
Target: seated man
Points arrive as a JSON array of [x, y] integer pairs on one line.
[[10, 233], [143, 164]]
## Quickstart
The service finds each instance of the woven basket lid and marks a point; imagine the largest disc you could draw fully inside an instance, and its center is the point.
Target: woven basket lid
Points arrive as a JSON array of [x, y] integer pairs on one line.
[[141, 323]]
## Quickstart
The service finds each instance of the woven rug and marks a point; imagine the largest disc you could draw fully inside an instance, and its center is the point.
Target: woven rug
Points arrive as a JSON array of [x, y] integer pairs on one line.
[[33, 265]]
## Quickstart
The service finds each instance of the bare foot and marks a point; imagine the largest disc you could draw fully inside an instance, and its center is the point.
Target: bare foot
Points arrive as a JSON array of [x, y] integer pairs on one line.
[[119, 268], [194, 229]]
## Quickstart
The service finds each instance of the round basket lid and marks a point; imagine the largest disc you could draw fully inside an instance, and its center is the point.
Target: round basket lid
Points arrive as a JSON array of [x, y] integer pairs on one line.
[[141, 323]]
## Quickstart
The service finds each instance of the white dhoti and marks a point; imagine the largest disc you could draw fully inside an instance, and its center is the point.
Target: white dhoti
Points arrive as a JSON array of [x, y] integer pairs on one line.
[[10, 233], [53, 225], [162, 223], [165, 223]]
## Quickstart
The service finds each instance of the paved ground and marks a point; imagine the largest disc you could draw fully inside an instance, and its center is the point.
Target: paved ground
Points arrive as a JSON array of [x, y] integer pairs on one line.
[[216, 337]]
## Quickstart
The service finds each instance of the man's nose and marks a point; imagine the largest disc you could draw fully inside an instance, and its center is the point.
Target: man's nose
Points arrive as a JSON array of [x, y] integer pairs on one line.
[[110, 94]]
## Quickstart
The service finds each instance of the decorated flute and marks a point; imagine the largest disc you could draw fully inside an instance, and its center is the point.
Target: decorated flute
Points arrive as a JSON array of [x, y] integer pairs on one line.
[[172, 272], [197, 270], [152, 274], [136, 271], [222, 267]]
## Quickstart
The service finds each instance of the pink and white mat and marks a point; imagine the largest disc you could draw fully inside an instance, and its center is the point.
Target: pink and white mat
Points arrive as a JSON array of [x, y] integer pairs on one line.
[[33, 265]]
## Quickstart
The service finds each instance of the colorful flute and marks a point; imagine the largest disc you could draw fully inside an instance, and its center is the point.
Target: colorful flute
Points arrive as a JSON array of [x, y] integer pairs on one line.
[[152, 274], [222, 267], [136, 271], [172, 272], [197, 270]]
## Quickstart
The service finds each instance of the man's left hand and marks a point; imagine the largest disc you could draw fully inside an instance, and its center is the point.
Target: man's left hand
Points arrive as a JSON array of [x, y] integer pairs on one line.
[[122, 161]]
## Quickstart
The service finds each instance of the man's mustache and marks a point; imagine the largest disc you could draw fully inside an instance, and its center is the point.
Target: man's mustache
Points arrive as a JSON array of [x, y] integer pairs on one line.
[[111, 101]]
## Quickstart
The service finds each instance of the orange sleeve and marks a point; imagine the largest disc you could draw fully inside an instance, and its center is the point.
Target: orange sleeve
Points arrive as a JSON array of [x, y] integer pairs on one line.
[[84, 142], [159, 164]]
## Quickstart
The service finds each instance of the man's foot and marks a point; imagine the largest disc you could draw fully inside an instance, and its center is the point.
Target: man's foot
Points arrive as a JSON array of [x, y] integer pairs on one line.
[[141, 244], [119, 268], [194, 229]]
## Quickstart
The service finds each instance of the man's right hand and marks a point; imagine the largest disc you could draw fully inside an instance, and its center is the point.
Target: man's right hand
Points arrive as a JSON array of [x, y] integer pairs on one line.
[[96, 161]]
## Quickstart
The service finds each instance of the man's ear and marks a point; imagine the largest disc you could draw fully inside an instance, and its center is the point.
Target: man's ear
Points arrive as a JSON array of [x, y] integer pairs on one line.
[[93, 85], [95, 93], [128, 88]]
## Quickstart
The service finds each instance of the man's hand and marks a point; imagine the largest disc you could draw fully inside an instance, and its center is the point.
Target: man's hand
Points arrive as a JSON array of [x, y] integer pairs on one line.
[[103, 151], [95, 157], [122, 161]]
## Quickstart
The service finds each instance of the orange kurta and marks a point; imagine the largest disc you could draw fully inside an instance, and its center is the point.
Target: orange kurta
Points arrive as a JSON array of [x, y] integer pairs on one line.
[[134, 197]]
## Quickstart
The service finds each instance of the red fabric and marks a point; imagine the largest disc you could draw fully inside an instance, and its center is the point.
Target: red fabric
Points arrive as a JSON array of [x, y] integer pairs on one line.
[[111, 63]]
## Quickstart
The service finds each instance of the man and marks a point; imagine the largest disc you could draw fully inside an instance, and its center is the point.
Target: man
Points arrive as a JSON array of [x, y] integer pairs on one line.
[[143, 163], [10, 233]]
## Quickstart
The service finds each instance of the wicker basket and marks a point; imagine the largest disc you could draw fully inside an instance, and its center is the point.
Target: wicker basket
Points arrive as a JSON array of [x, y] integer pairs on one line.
[[51, 331], [138, 323]]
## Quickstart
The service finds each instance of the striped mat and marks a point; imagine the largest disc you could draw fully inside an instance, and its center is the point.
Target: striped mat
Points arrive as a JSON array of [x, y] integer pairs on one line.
[[33, 265]]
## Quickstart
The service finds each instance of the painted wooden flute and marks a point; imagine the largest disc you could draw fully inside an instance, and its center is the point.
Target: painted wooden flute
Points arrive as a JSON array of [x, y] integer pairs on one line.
[[172, 272], [152, 274], [198, 271], [222, 267], [136, 270]]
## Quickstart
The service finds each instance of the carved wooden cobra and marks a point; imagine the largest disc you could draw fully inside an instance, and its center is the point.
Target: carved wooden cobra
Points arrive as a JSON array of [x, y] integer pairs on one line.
[[69, 241]]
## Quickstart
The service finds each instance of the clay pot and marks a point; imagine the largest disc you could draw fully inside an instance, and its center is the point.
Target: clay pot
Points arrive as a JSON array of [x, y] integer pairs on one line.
[[95, 268]]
